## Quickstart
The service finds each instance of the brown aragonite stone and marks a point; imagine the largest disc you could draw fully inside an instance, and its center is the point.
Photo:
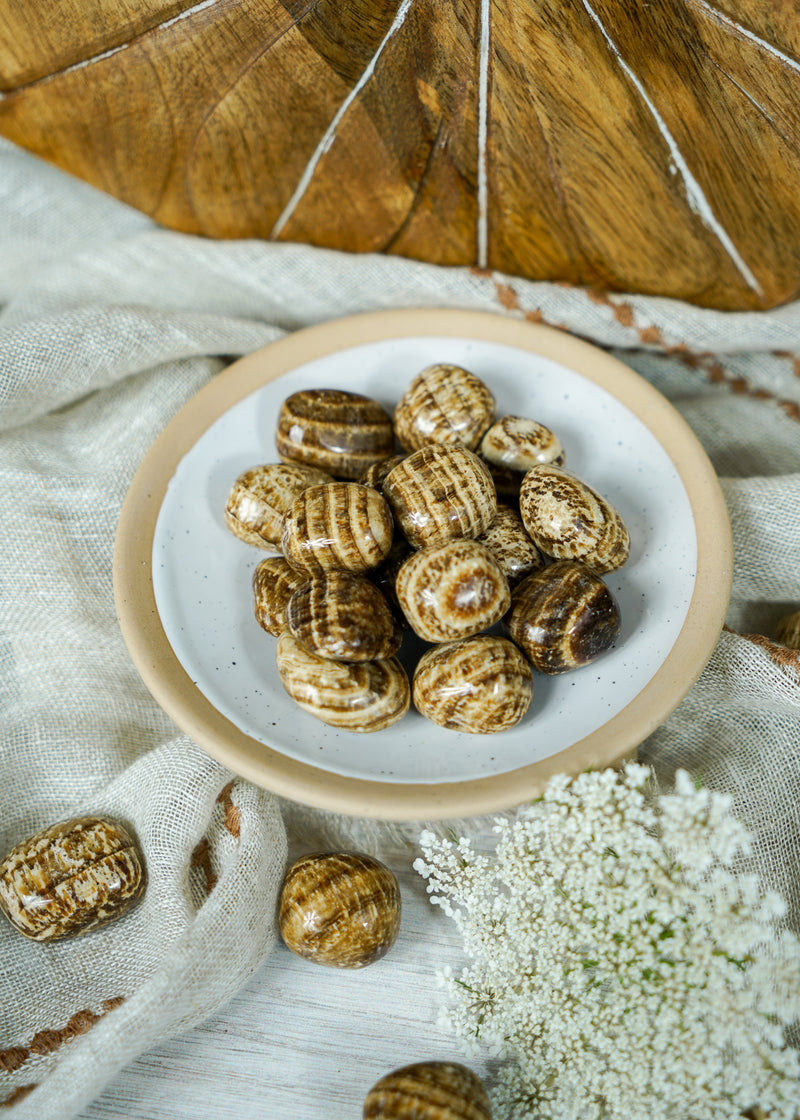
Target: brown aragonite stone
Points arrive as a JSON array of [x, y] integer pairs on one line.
[[342, 525], [260, 497], [337, 431], [361, 696], [443, 404], [568, 520], [508, 541], [343, 616], [274, 583], [340, 909], [71, 878], [375, 475], [481, 685], [787, 630], [428, 1091], [519, 444], [452, 590], [563, 617], [439, 493]]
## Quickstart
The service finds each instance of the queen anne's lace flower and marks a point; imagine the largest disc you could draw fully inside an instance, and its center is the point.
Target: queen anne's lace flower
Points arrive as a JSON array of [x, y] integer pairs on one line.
[[619, 963]]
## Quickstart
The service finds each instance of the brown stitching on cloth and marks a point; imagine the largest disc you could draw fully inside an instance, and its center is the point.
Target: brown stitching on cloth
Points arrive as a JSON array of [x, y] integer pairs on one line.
[[720, 376], [17, 1095], [48, 1040], [201, 857], [782, 656], [233, 817]]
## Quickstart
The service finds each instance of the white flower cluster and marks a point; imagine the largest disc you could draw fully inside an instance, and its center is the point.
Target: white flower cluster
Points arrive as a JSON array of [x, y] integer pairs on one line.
[[619, 963]]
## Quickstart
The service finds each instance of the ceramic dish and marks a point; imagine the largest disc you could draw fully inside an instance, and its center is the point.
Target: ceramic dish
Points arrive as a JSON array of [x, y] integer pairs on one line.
[[183, 581]]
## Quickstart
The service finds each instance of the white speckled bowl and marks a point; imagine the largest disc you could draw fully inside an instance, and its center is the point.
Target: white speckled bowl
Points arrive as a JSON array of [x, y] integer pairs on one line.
[[182, 580]]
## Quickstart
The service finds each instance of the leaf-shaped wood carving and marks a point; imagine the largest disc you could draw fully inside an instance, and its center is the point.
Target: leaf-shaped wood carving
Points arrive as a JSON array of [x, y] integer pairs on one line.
[[636, 146]]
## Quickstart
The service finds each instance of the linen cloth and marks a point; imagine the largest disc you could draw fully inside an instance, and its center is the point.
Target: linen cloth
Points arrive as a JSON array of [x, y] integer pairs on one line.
[[108, 325]]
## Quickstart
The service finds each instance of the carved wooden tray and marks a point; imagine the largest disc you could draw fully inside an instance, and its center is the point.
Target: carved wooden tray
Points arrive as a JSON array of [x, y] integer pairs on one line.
[[645, 147]]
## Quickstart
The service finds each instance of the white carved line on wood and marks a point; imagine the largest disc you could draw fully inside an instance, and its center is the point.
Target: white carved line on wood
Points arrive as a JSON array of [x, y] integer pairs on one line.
[[697, 200], [102, 55], [329, 136], [483, 134], [720, 17]]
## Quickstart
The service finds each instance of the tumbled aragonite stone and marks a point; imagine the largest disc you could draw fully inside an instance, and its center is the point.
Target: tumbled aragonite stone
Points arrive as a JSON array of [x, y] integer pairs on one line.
[[569, 520], [71, 878], [335, 430], [274, 583], [519, 444], [563, 617], [260, 497], [340, 909], [480, 685], [439, 493], [508, 541], [428, 1091], [343, 525], [343, 616], [444, 404]]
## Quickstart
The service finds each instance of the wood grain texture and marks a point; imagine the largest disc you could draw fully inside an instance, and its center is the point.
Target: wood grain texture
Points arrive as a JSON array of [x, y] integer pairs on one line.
[[645, 148]]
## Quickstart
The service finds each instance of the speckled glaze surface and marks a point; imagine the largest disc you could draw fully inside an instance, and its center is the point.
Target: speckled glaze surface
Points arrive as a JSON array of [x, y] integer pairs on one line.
[[439, 493], [443, 404], [71, 878], [452, 590], [336, 430], [428, 1091], [481, 685], [343, 616], [519, 444], [569, 520], [509, 543], [787, 630], [182, 580], [260, 497], [274, 583], [363, 697], [342, 525], [563, 617], [341, 909]]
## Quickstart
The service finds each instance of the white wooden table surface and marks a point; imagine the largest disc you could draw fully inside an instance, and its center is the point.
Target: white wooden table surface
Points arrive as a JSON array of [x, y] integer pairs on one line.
[[302, 1040]]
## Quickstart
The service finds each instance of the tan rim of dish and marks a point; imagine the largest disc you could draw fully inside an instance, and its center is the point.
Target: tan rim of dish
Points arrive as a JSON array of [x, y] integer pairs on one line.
[[609, 745]]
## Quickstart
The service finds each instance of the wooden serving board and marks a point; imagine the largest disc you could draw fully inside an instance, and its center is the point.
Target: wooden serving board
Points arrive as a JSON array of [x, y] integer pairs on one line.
[[620, 144]]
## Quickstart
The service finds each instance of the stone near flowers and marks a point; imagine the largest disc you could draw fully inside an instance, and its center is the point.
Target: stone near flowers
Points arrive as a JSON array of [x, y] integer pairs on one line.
[[787, 631], [428, 1091], [71, 878], [340, 909]]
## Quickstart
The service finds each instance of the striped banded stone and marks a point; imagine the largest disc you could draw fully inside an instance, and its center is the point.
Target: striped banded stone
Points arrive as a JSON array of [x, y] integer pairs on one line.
[[428, 1091], [260, 497], [563, 617], [361, 696], [274, 583], [341, 525], [71, 878], [440, 493], [480, 685], [452, 590], [343, 616], [338, 431], [444, 404], [340, 909]]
